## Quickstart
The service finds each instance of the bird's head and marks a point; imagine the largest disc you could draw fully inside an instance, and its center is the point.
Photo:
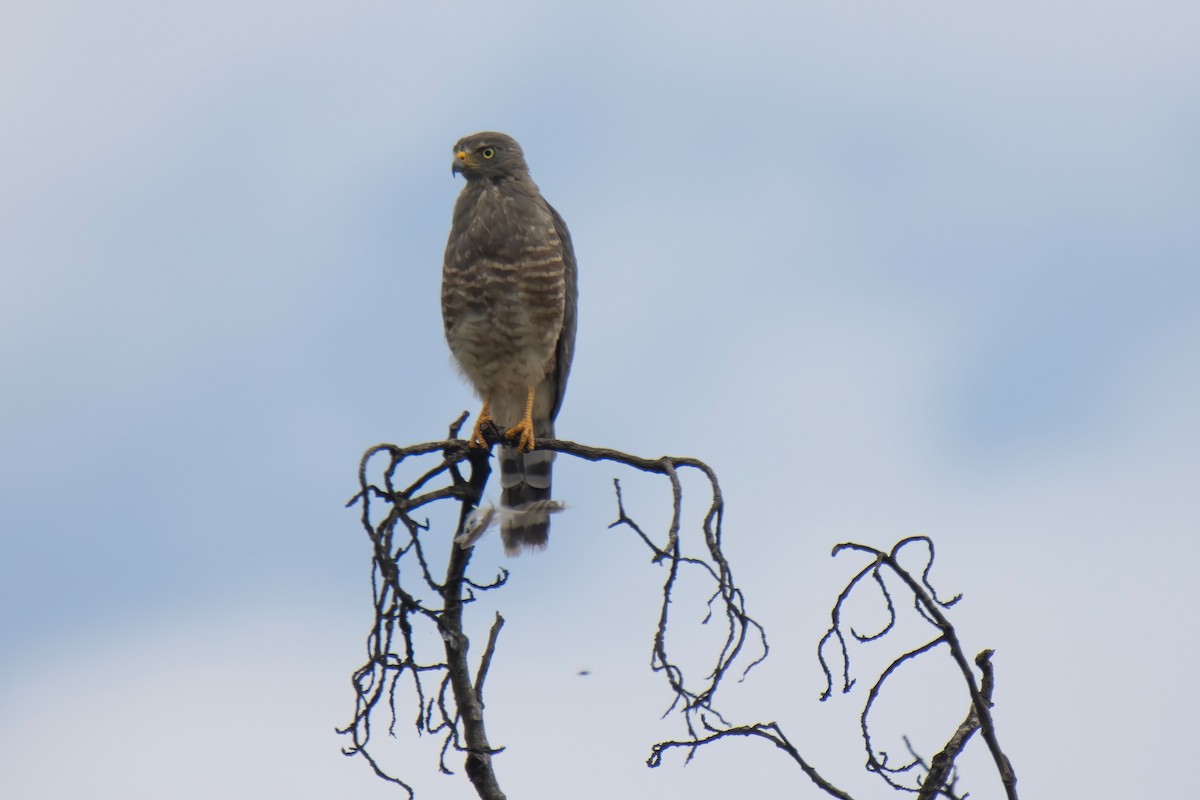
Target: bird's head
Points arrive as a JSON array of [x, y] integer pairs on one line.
[[488, 155]]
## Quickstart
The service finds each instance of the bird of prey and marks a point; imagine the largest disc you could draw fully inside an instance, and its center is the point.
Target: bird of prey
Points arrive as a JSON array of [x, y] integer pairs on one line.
[[509, 294]]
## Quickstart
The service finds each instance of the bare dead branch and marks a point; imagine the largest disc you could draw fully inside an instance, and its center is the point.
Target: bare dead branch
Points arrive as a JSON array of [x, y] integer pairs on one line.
[[940, 771], [763, 730], [935, 777], [409, 596]]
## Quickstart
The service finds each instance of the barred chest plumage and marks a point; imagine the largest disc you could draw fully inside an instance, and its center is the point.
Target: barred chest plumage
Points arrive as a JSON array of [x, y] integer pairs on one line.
[[503, 290]]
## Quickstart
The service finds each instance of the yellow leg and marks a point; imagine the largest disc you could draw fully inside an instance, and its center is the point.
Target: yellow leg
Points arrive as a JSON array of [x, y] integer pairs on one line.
[[485, 416], [522, 432]]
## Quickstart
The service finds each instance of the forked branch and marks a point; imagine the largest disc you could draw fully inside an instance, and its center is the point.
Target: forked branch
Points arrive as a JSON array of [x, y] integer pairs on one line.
[[927, 780], [411, 595], [934, 778]]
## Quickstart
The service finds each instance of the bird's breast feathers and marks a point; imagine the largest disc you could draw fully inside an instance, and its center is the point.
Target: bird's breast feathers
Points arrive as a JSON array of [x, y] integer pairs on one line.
[[504, 292]]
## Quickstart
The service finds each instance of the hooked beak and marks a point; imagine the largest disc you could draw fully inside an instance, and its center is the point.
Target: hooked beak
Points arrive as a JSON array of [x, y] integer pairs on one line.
[[460, 162]]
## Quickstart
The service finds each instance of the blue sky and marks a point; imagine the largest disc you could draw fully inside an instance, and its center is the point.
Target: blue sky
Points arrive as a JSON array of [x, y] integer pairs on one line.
[[889, 268]]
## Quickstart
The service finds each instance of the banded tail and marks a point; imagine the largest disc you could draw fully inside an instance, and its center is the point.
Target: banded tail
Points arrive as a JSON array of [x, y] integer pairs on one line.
[[525, 495]]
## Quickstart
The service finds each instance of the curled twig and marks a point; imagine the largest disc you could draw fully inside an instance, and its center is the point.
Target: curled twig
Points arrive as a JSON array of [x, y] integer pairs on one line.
[[931, 608]]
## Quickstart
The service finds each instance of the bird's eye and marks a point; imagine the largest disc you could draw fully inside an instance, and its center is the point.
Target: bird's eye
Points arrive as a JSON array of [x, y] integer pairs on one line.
[[487, 152]]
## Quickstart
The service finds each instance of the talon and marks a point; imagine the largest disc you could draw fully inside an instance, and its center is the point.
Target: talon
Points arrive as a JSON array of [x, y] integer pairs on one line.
[[521, 435], [485, 417], [522, 432]]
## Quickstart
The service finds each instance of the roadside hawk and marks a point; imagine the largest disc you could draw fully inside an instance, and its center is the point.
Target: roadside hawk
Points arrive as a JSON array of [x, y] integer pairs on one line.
[[509, 295]]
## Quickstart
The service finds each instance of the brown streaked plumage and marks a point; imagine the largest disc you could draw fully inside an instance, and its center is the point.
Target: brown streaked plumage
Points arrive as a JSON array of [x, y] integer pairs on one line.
[[509, 293]]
